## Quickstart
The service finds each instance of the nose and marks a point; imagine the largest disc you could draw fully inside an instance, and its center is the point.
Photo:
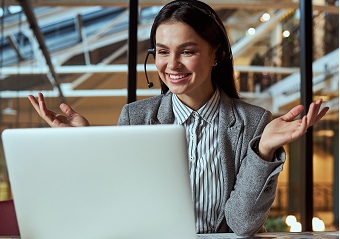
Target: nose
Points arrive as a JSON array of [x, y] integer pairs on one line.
[[174, 62]]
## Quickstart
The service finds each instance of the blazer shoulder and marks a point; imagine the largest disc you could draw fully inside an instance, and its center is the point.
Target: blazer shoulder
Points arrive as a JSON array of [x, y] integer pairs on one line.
[[142, 111], [243, 105], [146, 103], [250, 112]]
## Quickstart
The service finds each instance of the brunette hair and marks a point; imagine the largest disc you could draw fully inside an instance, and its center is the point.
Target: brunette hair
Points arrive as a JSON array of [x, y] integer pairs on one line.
[[207, 24]]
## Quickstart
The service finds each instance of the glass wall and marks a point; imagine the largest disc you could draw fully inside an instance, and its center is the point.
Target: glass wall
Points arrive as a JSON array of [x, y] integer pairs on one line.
[[266, 67]]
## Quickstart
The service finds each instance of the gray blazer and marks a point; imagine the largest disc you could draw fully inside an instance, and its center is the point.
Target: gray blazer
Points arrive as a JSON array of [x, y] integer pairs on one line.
[[250, 182]]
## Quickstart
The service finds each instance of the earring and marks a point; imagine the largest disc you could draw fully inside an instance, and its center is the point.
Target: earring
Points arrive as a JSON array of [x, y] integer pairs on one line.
[[215, 63]]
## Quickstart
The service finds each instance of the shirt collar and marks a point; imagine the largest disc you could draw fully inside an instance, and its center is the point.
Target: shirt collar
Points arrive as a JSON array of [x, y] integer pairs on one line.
[[208, 111]]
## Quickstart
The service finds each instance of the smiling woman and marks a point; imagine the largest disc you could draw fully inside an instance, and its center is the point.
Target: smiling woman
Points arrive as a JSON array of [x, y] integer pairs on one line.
[[234, 148], [208, 26], [184, 61]]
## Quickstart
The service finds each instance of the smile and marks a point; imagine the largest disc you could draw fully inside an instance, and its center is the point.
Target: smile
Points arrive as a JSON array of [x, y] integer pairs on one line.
[[177, 76]]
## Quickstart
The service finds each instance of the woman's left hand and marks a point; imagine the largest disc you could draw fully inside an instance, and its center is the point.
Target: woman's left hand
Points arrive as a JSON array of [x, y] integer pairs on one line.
[[285, 129]]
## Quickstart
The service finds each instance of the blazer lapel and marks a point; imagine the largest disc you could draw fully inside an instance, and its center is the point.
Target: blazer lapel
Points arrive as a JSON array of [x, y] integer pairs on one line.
[[165, 114], [229, 128], [229, 131]]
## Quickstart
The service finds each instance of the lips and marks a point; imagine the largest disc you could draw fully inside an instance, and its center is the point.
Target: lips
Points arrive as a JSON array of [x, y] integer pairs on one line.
[[175, 78]]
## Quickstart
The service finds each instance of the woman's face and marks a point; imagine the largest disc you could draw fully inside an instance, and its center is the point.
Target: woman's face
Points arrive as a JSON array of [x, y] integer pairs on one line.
[[184, 62]]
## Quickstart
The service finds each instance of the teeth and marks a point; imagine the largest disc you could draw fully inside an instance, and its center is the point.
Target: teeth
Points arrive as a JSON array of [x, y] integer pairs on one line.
[[176, 76]]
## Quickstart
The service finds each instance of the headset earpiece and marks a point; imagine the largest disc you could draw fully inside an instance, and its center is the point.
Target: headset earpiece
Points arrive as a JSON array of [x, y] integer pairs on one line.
[[153, 53]]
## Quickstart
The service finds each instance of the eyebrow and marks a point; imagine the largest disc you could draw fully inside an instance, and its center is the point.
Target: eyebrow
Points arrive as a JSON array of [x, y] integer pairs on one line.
[[180, 46]]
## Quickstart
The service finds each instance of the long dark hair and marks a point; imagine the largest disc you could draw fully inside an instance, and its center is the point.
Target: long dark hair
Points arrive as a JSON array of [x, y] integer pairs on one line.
[[204, 20]]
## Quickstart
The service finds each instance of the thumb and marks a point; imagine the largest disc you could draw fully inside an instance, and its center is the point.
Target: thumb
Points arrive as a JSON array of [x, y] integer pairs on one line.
[[67, 110], [294, 112]]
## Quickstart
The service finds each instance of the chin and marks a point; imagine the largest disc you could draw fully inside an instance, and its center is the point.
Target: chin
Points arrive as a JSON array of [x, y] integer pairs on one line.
[[177, 90]]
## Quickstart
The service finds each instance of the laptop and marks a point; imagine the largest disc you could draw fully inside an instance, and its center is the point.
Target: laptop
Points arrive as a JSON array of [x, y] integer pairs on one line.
[[101, 182]]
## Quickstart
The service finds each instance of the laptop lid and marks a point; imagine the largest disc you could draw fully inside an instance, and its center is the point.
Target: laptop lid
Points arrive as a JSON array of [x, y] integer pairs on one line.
[[100, 182]]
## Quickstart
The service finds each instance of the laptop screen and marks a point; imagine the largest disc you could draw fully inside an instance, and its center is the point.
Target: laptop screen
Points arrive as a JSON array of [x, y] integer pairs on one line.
[[100, 182]]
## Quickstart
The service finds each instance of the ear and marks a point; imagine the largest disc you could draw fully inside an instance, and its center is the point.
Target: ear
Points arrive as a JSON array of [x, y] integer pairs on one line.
[[216, 56], [219, 55]]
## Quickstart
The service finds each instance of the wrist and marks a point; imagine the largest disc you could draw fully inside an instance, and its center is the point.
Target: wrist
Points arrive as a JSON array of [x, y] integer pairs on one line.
[[261, 151]]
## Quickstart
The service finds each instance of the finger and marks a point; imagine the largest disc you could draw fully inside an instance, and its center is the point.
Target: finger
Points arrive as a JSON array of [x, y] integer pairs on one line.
[[321, 114], [41, 101], [293, 113], [304, 124], [35, 103], [313, 112], [42, 105], [49, 116], [67, 110], [315, 116], [302, 129]]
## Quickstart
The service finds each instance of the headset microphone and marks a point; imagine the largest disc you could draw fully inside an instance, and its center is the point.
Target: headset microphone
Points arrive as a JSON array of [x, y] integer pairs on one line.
[[152, 52]]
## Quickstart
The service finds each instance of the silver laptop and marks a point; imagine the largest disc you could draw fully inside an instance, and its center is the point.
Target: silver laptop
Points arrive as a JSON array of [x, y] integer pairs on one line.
[[101, 182]]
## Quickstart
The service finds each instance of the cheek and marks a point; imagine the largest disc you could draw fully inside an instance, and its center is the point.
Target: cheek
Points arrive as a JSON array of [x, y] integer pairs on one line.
[[195, 65], [159, 63]]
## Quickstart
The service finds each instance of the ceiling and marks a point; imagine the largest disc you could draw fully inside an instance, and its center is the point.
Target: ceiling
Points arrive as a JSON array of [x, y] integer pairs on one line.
[[85, 59]]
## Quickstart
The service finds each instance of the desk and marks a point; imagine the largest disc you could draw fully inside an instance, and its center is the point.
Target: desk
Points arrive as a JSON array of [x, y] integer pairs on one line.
[[278, 235]]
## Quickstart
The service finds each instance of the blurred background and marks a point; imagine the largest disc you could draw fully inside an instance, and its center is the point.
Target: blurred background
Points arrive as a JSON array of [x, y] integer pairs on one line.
[[77, 52]]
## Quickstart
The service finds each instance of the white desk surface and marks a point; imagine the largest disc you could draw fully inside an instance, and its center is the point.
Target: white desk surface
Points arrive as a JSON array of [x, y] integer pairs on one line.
[[268, 235]]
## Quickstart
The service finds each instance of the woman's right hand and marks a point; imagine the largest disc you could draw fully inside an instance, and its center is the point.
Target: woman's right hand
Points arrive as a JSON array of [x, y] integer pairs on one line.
[[69, 118]]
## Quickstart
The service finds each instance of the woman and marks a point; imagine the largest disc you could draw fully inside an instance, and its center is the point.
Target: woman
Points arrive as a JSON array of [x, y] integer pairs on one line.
[[235, 150]]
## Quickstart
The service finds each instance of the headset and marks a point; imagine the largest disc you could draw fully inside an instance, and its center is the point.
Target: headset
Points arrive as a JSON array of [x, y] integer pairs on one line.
[[207, 10], [151, 51]]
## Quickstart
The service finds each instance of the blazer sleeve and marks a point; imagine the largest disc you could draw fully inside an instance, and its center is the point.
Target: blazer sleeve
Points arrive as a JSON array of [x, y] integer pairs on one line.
[[254, 190]]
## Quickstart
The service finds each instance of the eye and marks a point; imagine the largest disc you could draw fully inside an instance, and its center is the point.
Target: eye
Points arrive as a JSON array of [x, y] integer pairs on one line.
[[187, 52], [162, 52]]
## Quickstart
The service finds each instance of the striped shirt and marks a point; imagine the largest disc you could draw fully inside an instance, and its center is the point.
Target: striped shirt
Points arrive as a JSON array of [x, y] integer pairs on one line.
[[204, 159]]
